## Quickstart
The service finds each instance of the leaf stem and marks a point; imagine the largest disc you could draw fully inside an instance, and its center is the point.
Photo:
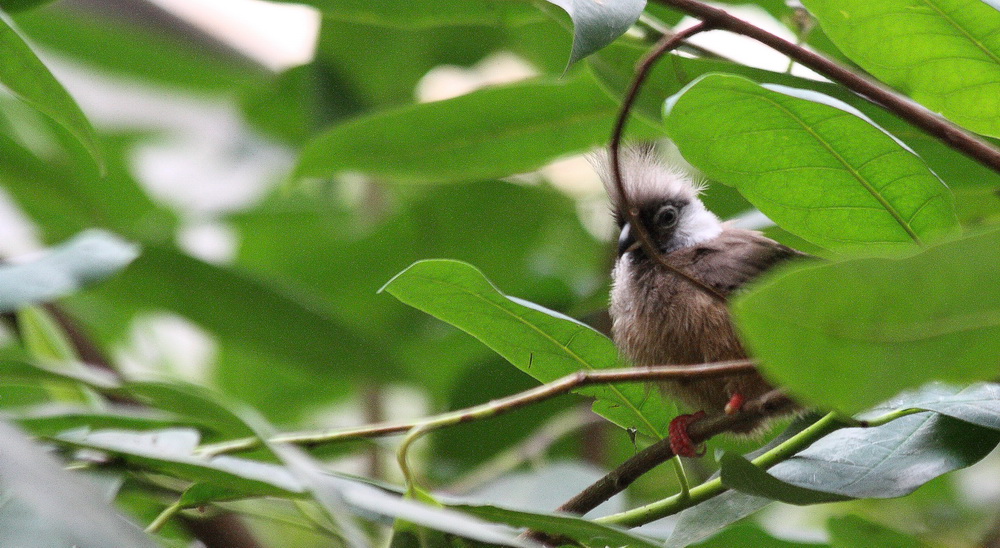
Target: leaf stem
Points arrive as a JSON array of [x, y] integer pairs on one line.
[[164, 517]]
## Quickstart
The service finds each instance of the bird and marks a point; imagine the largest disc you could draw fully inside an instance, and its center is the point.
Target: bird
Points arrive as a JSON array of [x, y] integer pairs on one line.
[[660, 318]]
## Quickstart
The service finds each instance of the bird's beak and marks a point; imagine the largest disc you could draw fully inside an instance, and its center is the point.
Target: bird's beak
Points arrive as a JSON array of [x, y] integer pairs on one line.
[[626, 241]]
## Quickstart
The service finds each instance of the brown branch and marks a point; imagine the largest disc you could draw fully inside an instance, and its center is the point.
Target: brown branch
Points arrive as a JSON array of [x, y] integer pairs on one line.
[[881, 95], [496, 407], [617, 480], [667, 44]]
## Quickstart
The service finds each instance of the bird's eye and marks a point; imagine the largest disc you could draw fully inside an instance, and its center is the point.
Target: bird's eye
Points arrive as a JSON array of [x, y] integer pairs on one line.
[[666, 217]]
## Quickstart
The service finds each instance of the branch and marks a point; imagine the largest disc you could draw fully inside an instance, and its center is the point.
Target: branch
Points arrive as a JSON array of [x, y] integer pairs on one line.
[[881, 95], [495, 407], [667, 44]]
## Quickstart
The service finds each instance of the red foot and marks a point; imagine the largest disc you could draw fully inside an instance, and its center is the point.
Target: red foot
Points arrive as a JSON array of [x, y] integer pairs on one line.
[[680, 441], [735, 403]]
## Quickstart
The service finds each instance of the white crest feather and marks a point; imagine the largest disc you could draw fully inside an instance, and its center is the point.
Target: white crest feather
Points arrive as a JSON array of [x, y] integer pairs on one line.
[[645, 176]]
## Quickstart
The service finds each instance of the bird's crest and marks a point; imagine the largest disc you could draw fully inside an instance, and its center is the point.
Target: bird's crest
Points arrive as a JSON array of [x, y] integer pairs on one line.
[[645, 177]]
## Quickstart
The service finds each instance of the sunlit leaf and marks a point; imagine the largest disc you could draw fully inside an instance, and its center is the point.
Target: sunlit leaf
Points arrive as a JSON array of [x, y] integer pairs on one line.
[[943, 53], [871, 327], [545, 344], [810, 164]]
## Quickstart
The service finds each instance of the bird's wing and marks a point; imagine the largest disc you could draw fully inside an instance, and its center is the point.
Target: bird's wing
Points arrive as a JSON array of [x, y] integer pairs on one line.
[[736, 257]]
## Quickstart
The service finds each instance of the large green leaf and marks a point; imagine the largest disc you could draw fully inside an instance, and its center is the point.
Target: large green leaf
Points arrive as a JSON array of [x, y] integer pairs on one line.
[[850, 334], [978, 403], [26, 77], [849, 531], [943, 53], [819, 171], [740, 474], [597, 24], [88, 258], [489, 133], [542, 343], [44, 505], [887, 461]]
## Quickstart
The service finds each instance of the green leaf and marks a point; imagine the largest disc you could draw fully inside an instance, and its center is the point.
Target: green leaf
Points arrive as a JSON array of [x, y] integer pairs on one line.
[[740, 474], [16, 368], [195, 403], [137, 51], [409, 14], [890, 460], [708, 518], [588, 533], [13, 6], [540, 342], [945, 54], [978, 404], [488, 133], [27, 78], [849, 531], [44, 505], [868, 328], [597, 24], [171, 451], [819, 171], [43, 338], [49, 420], [84, 260], [242, 310]]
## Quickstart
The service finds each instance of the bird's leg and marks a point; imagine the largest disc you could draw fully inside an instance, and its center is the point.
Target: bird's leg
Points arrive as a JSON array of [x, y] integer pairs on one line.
[[735, 403], [680, 441]]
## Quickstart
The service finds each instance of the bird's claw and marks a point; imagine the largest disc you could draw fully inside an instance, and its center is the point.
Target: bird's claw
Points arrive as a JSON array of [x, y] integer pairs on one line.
[[680, 440]]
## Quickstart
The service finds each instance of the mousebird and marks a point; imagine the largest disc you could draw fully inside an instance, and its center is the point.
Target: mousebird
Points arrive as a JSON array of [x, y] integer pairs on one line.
[[660, 318]]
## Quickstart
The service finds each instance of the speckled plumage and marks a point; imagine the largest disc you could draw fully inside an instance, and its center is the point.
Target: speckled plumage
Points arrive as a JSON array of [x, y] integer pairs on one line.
[[659, 318]]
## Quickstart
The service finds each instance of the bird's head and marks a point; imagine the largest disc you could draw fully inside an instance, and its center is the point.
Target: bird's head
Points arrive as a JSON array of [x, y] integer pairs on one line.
[[665, 199]]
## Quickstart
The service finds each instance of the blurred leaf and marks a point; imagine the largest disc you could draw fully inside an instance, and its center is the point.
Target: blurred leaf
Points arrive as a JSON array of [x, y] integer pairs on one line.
[[849, 531], [588, 533], [409, 14], [887, 461], [840, 182], [15, 367], [171, 451], [44, 505], [137, 51], [86, 259], [474, 136], [24, 75], [42, 337], [376, 67], [545, 344], [197, 404], [879, 325], [740, 474], [243, 309], [14, 6], [749, 534], [63, 200], [597, 24], [944, 54], [296, 104], [48, 420]]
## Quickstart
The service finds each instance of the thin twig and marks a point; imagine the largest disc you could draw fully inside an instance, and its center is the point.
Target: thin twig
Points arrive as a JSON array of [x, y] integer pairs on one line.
[[496, 407], [668, 43], [881, 95]]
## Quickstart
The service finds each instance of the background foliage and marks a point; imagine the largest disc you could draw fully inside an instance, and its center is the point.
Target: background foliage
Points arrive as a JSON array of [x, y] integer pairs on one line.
[[381, 199]]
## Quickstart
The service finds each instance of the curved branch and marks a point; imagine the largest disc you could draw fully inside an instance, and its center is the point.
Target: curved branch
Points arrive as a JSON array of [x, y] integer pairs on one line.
[[881, 95], [667, 44]]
